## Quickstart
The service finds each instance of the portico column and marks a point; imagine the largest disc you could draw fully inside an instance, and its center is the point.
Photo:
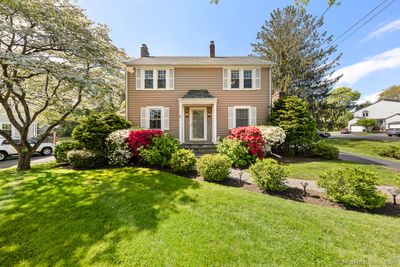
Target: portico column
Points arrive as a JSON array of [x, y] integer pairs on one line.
[[214, 123], [181, 116]]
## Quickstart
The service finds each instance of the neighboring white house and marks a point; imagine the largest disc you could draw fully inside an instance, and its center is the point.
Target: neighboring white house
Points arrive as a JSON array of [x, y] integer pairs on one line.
[[385, 112], [6, 125]]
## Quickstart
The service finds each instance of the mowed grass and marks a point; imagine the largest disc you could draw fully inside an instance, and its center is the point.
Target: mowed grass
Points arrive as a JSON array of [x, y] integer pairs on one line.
[[311, 170], [362, 147], [140, 217]]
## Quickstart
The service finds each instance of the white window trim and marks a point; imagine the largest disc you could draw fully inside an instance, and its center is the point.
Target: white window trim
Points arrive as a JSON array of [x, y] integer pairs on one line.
[[191, 124], [155, 79], [241, 107], [148, 108], [241, 78]]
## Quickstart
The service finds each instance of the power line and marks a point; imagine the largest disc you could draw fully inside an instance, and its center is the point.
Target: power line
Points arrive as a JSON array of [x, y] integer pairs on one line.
[[359, 21], [366, 22]]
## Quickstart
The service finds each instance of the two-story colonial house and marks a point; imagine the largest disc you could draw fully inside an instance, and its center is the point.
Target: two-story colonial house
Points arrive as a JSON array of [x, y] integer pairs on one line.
[[197, 99]]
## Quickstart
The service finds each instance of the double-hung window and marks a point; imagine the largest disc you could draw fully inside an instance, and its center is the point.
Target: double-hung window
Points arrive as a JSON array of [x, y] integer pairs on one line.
[[235, 78], [155, 118], [242, 117], [162, 79], [241, 78], [156, 79], [148, 79], [247, 79], [6, 127]]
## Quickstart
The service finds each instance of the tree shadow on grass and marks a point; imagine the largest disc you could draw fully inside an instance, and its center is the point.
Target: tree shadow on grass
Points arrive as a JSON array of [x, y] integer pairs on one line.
[[57, 216]]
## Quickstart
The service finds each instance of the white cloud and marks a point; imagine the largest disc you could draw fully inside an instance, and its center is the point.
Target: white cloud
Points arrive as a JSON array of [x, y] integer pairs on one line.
[[353, 73], [371, 98], [390, 27]]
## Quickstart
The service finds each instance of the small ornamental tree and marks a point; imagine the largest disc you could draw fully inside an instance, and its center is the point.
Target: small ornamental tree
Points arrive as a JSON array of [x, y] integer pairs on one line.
[[367, 123], [293, 116]]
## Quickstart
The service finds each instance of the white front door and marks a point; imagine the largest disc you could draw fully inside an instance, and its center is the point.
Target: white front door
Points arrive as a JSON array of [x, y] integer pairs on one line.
[[198, 124]]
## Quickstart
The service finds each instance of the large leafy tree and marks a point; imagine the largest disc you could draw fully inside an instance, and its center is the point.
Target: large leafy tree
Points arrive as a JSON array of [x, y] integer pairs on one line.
[[337, 107], [304, 58], [392, 93], [52, 58]]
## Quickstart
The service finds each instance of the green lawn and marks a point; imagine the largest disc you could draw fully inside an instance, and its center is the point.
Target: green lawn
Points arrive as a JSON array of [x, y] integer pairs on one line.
[[311, 170], [362, 147], [136, 216]]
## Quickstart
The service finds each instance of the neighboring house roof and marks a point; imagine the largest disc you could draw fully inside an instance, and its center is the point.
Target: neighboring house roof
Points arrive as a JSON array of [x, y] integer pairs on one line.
[[198, 94], [380, 110], [201, 61]]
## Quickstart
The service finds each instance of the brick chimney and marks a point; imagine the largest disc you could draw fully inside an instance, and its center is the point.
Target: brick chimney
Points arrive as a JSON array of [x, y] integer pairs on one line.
[[212, 49], [144, 51]]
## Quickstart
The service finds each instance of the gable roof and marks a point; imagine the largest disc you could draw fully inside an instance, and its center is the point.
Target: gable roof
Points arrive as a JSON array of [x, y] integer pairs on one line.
[[200, 61]]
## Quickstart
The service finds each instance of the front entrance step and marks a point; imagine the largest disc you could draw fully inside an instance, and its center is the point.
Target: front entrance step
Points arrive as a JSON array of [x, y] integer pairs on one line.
[[201, 149]]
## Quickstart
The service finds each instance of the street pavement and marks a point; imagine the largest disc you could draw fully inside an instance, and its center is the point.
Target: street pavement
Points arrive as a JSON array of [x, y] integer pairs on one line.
[[12, 162]]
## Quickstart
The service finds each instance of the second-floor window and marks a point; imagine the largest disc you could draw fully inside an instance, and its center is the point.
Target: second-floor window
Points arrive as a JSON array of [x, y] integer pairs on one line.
[[157, 78], [235, 78], [148, 79], [365, 113], [241, 78]]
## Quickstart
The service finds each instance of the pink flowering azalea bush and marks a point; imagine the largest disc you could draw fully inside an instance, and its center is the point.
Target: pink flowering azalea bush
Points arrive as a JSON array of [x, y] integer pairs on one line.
[[138, 139], [252, 138], [247, 144]]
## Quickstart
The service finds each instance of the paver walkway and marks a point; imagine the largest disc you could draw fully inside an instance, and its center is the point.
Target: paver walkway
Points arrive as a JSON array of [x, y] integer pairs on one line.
[[296, 183]]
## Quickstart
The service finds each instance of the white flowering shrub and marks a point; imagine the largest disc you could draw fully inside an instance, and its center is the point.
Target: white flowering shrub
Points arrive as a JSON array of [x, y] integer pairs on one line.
[[118, 151], [272, 135]]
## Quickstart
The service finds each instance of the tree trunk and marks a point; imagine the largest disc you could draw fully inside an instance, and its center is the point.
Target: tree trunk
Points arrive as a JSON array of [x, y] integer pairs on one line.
[[24, 161]]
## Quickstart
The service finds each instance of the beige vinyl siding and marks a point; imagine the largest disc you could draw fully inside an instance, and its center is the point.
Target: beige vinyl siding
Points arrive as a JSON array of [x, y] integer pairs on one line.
[[199, 78]]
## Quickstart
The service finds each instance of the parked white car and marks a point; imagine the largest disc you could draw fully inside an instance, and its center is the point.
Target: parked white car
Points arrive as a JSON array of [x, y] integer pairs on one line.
[[7, 150]]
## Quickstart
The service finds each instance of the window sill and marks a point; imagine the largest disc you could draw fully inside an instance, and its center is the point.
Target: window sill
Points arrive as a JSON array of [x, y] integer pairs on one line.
[[242, 89], [154, 89]]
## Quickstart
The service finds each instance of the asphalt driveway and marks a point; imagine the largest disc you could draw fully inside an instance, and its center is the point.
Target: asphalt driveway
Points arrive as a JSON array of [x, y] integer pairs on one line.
[[12, 162], [363, 136]]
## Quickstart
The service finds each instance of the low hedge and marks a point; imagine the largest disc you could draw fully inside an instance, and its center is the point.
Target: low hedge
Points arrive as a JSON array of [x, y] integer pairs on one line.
[[62, 149], [267, 174], [323, 150], [183, 161], [353, 187], [391, 151], [86, 159]]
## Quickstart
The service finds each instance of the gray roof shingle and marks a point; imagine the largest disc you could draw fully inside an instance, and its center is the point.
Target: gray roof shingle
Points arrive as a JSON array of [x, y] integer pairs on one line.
[[198, 94], [189, 61]]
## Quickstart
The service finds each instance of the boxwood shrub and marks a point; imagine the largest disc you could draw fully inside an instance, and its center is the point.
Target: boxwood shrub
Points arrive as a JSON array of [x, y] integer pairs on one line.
[[86, 159], [214, 168], [62, 149], [183, 161], [269, 175]]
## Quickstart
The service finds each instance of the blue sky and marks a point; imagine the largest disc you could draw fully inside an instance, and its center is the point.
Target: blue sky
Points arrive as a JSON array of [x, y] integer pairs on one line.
[[371, 56]]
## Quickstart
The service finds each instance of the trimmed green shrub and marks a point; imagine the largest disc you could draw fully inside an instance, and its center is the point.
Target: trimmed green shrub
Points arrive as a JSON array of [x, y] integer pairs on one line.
[[160, 150], [269, 175], [183, 161], [94, 129], [60, 153], [237, 151], [86, 159], [389, 151], [353, 187], [214, 168], [324, 150]]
